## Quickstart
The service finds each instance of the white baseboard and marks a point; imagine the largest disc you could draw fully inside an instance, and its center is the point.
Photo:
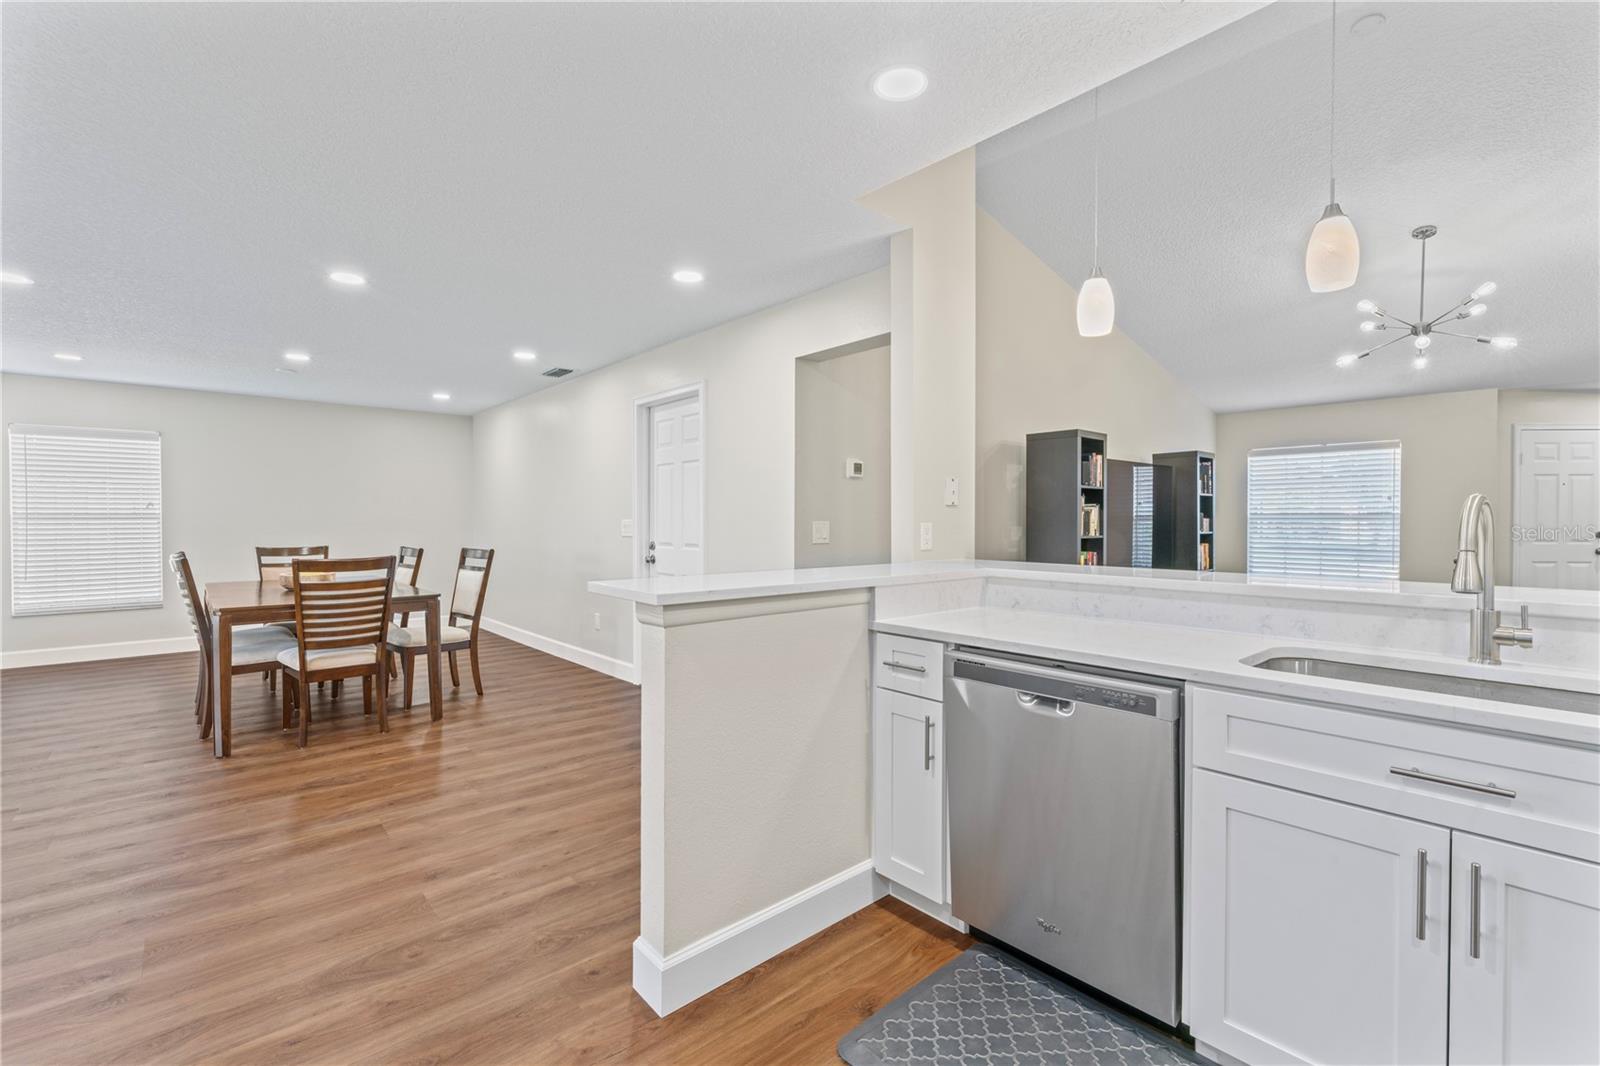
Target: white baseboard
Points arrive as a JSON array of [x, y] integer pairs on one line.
[[686, 975], [605, 664], [85, 653], [937, 911]]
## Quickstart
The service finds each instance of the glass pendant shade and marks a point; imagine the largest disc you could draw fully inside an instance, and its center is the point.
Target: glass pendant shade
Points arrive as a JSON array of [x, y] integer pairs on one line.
[[1097, 307], [1333, 255]]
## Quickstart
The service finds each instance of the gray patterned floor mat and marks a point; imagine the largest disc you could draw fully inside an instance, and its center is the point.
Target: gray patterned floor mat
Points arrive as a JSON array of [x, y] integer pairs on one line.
[[986, 1008]]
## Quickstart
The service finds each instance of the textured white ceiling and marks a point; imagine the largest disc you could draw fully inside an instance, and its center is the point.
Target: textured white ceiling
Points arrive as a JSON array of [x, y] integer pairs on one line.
[[1479, 118], [179, 178]]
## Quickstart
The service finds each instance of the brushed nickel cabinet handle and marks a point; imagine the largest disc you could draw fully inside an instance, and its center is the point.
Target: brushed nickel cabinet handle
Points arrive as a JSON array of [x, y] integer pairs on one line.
[[1422, 894], [927, 743], [1474, 923], [891, 664], [1491, 788]]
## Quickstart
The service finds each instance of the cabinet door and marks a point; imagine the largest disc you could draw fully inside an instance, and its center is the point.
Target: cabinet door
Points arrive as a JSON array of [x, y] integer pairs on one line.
[[1318, 929], [1525, 955], [907, 791]]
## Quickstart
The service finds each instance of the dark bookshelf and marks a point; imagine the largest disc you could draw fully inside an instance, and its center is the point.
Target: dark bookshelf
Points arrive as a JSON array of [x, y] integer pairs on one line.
[[1186, 512], [1066, 497]]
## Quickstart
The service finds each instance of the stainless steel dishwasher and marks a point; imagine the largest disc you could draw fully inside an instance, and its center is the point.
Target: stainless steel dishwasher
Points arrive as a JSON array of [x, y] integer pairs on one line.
[[1064, 818]]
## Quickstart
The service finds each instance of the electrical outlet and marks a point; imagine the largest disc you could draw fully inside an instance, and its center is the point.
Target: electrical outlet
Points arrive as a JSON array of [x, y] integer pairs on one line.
[[627, 527], [819, 532], [952, 492], [597, 621], [925, 537]]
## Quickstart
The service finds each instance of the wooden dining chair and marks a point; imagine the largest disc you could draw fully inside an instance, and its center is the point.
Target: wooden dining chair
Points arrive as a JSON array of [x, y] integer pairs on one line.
[[254, 648], [460, 631], [408, 564], [274, 564], [341, 612]]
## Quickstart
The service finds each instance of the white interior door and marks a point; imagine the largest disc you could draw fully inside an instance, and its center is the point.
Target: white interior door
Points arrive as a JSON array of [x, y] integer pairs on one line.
[[1556, 515], [1524, 968], [674, 534]]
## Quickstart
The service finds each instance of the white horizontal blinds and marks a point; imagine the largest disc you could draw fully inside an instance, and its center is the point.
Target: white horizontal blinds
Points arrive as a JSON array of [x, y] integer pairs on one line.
[[1325, 511], [1144, 515], [85, 520]]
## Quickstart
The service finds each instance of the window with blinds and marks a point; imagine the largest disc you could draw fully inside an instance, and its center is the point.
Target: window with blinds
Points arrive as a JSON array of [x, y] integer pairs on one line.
[[85, 520], [1144, 515], [1325, 511]]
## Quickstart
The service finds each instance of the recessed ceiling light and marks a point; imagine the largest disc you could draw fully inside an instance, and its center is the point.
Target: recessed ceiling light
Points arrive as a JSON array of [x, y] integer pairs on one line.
[[1369, 23], [688, 277], [347, 277], [297, 357], [15, 279], [525, 355], [68, 357], [441, 396], [899, 84]]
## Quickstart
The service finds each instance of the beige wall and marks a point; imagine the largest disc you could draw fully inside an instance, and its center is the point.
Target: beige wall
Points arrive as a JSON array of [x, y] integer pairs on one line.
[[1036, 374], [842, 412], [555, 469], [1449, 448], [933, 355], [361, 480]]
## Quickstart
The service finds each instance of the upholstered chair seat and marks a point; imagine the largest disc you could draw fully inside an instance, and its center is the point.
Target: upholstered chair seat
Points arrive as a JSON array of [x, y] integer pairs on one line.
[[260, 645], [326, 659], [417, 636]]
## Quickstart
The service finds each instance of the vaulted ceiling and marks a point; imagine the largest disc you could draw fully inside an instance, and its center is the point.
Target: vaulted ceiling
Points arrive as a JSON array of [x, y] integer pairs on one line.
[[1482, 119], [178, 179]]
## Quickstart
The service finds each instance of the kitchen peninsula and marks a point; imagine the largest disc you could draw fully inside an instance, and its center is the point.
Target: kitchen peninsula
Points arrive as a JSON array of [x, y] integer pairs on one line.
[[764, 813]]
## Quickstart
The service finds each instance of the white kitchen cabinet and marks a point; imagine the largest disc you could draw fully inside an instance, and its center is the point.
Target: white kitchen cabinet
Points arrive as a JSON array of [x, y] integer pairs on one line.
[[1319, 930], [908, 830], [1525, 955]]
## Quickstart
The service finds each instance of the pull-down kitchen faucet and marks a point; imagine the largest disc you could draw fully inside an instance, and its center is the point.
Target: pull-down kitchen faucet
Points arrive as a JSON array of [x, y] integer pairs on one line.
[[1474, 575]]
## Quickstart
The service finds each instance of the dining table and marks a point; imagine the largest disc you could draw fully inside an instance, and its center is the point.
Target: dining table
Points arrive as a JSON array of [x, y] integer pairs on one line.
[[245, 603]]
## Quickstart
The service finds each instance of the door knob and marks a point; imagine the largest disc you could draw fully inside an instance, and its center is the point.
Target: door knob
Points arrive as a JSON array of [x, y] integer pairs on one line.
[[650, 553]]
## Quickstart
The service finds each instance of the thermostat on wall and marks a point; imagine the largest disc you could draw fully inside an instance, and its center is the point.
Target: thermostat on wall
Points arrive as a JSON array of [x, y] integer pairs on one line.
[[854, 468]]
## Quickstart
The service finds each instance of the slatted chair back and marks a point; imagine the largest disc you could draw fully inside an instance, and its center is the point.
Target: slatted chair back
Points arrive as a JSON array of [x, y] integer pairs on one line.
[[274, 563], [472, 584], [342, 603], [408, 564], [190, 594]]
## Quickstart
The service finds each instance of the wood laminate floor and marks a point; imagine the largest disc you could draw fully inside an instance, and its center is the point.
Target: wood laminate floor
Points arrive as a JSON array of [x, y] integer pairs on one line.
[[456, 893]]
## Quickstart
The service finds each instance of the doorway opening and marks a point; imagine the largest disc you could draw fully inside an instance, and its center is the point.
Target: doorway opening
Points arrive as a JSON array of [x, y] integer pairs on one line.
[[841, 455]]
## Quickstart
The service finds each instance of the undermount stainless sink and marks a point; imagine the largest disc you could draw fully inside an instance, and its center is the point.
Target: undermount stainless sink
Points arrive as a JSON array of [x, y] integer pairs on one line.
[[1478, 688]]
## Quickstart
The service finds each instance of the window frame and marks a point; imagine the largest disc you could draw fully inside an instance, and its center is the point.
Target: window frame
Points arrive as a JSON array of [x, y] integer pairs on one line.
[[131, 584], [1356, 569]]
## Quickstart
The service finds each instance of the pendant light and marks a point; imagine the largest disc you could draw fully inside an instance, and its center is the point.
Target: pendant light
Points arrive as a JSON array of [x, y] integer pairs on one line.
[[1333, 255], [1097, 307]]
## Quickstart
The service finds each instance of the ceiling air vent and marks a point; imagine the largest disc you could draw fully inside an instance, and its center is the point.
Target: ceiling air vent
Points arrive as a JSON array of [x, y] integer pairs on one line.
[[558, 372]]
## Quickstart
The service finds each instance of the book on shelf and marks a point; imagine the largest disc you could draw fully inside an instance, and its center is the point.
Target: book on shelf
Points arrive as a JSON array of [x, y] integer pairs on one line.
[[1205, 556], [1089, 526], [1093, 473], [1088, 558], [1207, 477], [1205, 523]]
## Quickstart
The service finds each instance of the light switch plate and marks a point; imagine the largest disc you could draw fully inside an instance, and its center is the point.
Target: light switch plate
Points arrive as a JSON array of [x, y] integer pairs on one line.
[[952, 492], [925, 537], [854, 468], [819, 532], [627, 527]]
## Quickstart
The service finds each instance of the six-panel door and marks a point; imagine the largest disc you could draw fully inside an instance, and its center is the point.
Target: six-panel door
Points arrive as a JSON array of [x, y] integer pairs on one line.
[[1319, 929], [1525, 955], [908, 799]]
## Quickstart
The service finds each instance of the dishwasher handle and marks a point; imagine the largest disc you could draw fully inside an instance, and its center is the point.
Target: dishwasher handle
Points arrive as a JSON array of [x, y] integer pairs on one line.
[[1068, 686]]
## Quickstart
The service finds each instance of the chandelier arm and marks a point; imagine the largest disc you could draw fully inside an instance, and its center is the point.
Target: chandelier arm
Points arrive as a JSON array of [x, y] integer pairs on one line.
[[1448, 314], [1385, 344], [1463, 336]]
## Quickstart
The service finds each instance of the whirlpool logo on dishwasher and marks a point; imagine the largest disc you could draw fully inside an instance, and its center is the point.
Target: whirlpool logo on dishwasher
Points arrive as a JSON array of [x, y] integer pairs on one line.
[[1049, 927]]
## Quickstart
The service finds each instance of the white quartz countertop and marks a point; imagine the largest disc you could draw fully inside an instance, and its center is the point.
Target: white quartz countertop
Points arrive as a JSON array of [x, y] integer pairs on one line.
[[1213, 657], [708, 588]]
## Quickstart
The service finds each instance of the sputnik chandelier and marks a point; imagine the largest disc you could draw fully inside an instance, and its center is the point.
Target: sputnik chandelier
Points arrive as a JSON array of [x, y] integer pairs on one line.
[[1422, 331]]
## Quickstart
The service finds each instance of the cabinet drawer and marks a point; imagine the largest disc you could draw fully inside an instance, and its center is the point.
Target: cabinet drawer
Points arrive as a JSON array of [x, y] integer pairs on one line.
[[1426, 770], [908, 665]]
